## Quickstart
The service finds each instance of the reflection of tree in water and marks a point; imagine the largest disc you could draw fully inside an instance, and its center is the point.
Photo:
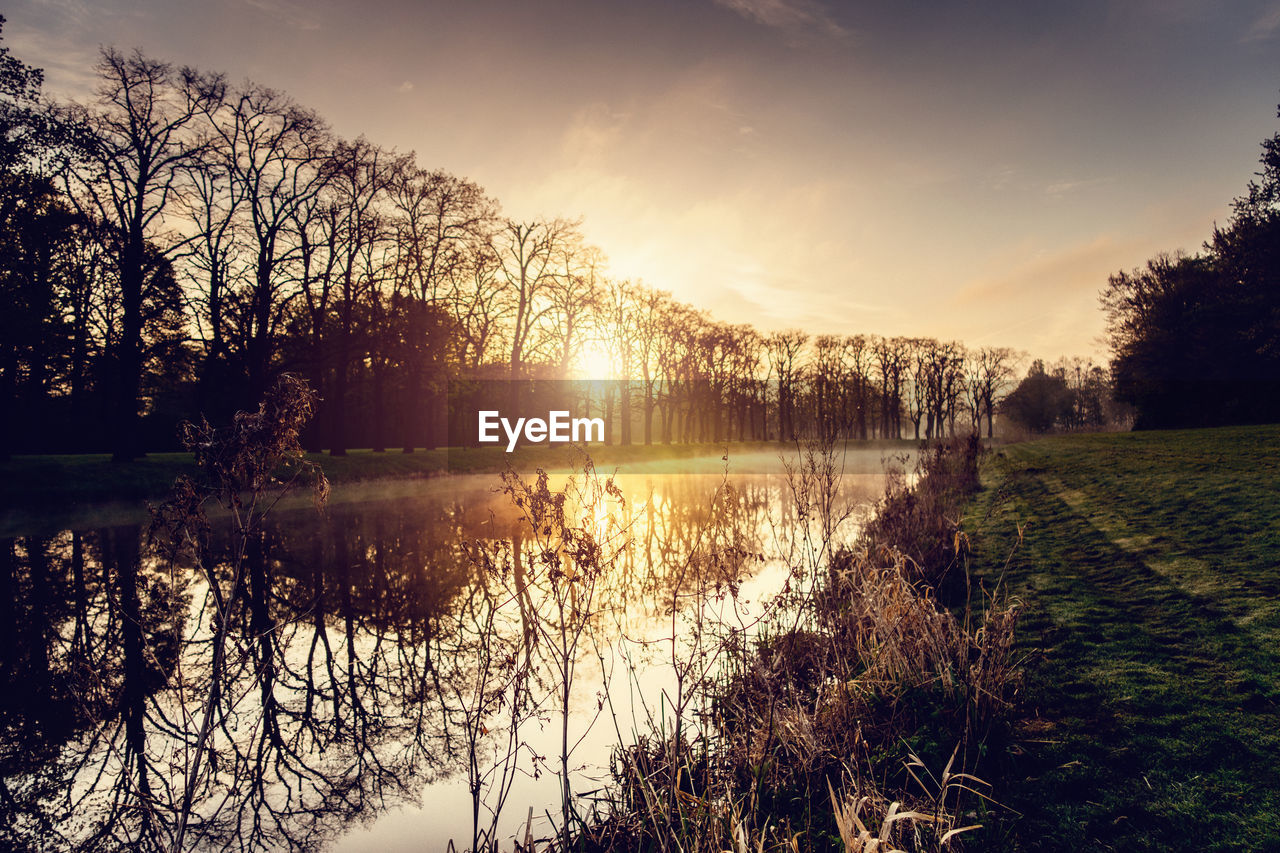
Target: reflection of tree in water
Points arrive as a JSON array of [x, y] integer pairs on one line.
[[89, 637], [356, 644], [322, 704], [698, 536]]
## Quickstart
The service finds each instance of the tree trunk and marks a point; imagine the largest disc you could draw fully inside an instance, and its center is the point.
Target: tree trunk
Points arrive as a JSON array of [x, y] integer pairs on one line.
[[625, 411], [379, 409], [126, 445]]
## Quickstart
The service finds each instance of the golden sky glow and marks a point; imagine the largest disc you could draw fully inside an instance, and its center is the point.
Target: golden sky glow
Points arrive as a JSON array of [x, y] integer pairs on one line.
[[594, 361], [968, 172]]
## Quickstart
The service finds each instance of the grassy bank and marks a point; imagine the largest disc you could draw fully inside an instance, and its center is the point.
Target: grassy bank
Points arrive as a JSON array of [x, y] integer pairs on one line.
[[1150, 581], [860, 713], [82, 479]]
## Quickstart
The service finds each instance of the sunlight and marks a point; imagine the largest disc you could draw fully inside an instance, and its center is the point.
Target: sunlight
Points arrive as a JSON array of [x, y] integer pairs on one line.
[[594, 361]]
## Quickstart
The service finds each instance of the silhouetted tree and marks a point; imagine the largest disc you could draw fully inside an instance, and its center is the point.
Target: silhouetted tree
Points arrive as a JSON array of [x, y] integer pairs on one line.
[[441, 225], [1040, 401], [1170, 348], [208, 236], [784, 349], [1195, 340], [274, 154], [529, 256], [358, 175], [891, 362], [649, 308], [990, 371], [136, 143]]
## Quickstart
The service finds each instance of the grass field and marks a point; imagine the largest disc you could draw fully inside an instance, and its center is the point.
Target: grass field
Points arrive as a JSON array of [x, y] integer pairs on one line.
[[1149, 570]]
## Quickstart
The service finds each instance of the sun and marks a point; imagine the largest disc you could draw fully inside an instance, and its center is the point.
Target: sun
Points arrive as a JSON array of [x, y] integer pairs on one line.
[[594, 361]]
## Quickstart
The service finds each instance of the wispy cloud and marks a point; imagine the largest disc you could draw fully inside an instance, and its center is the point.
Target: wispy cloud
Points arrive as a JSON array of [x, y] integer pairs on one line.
[[1057, 189], [1264, 26], [699, 112], [292, 12], [68, 64], [595, 133], [1002, 177], [1007, 178], [792, 16], [1073, 269]]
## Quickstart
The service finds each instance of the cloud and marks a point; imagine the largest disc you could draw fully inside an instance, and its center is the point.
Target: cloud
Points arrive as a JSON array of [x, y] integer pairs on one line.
[[696, 122], [594, 133], [1264, 26], [1002, 178], [790, 15], [292, 12], [405, 88], [1042, 301], [1057, 189], [68, 65], [1069, 270]]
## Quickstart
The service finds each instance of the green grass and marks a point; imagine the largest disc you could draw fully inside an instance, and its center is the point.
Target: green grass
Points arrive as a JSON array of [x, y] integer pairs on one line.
[[70, 479], [1150, 575]]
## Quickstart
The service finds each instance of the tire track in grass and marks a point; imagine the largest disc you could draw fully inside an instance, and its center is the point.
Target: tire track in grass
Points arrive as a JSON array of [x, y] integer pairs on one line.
[[1146, 728]]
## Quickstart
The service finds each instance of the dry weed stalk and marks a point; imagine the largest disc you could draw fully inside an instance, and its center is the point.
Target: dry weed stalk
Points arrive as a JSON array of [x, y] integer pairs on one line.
[[869, 823], [858, 655], [249, 467]]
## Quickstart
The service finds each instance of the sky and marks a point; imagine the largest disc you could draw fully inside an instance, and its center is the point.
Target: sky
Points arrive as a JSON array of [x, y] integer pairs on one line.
[[969, 171]]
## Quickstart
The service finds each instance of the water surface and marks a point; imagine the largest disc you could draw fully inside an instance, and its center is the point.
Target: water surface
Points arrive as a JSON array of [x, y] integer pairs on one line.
[[366, 656]]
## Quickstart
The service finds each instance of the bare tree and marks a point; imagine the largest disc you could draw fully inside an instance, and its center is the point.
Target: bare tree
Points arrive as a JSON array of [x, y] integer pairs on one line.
[[648, 317], [858, 355], [993, 369], [212, 262], [747, 390], [439, 221], [951, 392], [784, 349], [480, 310], [616, 325], [576, 293], [358, 175], [891, 363], [442, 224], [827, 380], [680, 325], [274, 153], [938, 367], [528, 255], [137, 142]]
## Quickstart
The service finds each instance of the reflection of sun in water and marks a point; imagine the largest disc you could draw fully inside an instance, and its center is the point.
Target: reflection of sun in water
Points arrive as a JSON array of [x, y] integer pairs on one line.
[[594, 361]]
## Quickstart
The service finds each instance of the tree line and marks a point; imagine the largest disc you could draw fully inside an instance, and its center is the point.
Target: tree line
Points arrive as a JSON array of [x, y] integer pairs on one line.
[[1070, 395], [170, 246]]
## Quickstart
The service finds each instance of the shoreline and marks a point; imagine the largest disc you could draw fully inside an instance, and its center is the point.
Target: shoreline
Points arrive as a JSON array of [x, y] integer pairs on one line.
[[46, 493]]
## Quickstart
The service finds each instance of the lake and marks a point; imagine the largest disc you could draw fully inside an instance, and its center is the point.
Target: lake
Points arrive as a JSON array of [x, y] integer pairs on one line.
[[390, 671]]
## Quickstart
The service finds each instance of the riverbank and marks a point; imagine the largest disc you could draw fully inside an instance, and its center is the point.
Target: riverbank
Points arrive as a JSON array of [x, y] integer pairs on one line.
[[69, 480], [860, 712], [1149, 577]]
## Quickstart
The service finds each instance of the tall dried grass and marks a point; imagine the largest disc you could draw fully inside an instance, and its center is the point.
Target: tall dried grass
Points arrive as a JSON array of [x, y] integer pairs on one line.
[[920, 517], [806, 743]]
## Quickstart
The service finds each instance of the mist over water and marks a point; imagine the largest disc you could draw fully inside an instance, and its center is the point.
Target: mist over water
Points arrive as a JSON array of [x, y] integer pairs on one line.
[[354, 654]]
